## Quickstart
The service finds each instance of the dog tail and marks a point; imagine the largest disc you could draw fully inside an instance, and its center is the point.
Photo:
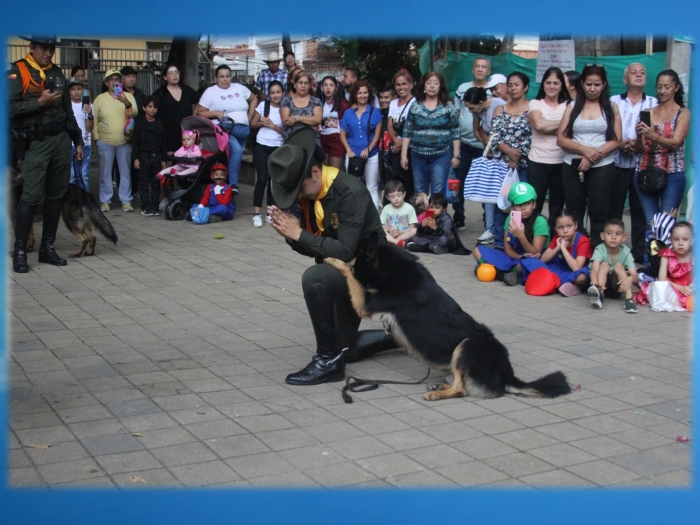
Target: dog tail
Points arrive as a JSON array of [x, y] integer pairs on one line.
[[99, 219], [551, 385]]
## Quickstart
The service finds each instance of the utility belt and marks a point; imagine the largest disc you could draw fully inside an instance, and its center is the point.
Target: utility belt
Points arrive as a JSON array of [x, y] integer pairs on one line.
[[24, 135]]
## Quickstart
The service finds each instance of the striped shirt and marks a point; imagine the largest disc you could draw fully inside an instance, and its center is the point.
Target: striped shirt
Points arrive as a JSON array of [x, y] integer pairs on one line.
[[431, 131], [629, 115]]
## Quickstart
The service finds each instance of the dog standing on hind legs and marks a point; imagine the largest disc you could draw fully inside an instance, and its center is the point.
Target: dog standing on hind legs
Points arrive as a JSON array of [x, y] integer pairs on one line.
[[432, 327], [80, 215]]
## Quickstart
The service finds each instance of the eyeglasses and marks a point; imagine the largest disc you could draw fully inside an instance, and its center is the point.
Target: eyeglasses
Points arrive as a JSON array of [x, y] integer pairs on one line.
[[599, 65], [173, 71]]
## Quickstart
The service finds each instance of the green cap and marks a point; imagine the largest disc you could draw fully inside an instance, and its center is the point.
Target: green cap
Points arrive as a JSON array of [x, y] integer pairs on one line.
[[521, 192]]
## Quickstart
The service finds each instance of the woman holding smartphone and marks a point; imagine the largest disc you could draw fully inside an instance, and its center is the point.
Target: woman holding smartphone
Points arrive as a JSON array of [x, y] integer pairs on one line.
[[589, 134], [661, 144]]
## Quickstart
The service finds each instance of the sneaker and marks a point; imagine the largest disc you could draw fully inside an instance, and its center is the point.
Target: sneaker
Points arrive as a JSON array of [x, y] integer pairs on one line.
[[234, 189], [126, 206], [268, 219], [512, 279], [415, 247], [596, 297], [149, 213], [569, 289], [440, 250], [486, 238], [630, 307], [105, 207], [257, 221], [215, 218], [460, 226]]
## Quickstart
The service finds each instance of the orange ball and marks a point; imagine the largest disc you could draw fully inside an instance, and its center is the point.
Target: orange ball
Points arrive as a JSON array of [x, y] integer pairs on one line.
[[689, 303], [486, 273]]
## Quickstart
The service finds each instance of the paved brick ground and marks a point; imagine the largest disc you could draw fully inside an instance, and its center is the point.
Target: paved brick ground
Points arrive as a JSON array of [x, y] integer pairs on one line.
[[161, 362]]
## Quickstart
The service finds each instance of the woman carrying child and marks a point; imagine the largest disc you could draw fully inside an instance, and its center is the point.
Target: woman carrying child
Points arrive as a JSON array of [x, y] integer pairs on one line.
[[218, 196], [676, 267], [567, 255], [522, 239]]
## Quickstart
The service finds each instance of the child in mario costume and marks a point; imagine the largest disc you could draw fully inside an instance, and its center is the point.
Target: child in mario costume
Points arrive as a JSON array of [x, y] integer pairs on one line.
[[218, 196]]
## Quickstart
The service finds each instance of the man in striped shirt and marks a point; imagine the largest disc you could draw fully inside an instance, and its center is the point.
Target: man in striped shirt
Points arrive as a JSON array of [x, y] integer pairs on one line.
[[630, 104]]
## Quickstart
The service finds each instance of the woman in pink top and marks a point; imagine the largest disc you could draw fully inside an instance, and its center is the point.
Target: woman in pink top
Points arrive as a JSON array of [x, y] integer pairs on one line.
[[545, 158]]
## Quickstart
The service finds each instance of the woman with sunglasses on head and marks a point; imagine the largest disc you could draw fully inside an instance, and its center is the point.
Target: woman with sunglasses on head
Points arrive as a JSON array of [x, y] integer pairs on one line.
[[300, 108], [177, 101], [237, 103], [544, 161], [334, 106], [589, 134], [662, 146]]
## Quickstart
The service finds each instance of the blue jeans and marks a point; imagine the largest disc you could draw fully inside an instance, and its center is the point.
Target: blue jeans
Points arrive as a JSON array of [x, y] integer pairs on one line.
[[430, 171], [236, 145], [665, 201], [84, 166], [106, 155]]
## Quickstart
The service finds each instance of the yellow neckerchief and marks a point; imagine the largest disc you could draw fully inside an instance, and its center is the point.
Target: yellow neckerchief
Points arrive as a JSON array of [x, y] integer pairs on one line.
[[328, 175], [30, 60]]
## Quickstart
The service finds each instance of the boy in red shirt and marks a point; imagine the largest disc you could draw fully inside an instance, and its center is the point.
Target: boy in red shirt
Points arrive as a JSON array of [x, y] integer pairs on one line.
[[218, 197]]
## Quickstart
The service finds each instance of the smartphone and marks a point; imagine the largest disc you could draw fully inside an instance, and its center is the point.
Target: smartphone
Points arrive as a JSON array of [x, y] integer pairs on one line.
[[516, 218], [645, 117], [51, 85], [430, 214], [575, 162], [118, 89], [86, 100]]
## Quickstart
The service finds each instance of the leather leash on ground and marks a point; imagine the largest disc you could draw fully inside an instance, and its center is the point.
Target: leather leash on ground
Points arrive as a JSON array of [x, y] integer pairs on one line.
[[355, 384]]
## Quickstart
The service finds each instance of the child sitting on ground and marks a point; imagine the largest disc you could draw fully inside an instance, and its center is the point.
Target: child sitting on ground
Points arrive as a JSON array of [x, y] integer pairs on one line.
[[567, 255], [435, 232], [398, 220], [526, 239], [218, 197], [612, 268], [676, 267], [189, 150]]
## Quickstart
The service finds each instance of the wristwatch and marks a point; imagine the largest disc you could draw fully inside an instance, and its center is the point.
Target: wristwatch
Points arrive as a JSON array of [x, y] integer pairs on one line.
[[91, 117], [456, 156]]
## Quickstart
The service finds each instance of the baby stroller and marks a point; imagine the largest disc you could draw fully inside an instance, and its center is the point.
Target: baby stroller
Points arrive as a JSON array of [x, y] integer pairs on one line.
[[190, 188]]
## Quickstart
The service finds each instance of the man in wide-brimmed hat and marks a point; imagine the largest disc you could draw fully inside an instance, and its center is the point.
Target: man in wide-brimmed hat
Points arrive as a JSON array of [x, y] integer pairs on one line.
[[43, 126], [336, 211], [273, 72]]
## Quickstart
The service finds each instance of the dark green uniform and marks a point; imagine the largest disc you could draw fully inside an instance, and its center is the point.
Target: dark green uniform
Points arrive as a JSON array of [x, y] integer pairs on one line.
[[349, 215], [51, 129]]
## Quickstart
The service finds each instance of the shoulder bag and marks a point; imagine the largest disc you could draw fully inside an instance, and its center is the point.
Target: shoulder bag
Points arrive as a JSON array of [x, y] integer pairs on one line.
[[485, 178], [356, 164], [653, 180]]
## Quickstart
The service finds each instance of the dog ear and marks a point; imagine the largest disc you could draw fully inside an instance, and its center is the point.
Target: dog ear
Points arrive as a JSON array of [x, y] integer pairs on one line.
[[374, 238]]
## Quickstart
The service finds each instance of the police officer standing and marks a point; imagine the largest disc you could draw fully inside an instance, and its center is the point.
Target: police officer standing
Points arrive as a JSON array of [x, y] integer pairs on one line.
[[43, 126]]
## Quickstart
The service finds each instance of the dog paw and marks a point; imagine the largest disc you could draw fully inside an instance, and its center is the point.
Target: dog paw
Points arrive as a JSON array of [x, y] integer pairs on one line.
[[336, 263], [434, 387], [74, 255], [432, 396]]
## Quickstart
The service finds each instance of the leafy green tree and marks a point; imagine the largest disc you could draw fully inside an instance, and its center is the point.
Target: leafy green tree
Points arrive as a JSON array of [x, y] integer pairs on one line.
[[379, 59]]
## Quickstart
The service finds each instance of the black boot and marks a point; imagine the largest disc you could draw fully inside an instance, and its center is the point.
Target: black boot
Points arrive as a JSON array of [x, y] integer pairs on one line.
[[370, 342], [52, 214], [328, 365], [23, 224]]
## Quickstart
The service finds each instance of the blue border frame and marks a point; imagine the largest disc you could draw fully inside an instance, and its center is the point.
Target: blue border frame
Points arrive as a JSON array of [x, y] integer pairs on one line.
[[365, 17]]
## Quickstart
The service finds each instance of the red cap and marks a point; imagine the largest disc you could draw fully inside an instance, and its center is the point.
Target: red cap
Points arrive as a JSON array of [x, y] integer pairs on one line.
[[542, 282], [219, 167]]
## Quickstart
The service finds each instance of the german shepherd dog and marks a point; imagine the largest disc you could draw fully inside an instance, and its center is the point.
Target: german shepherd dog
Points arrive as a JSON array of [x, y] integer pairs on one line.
[[432, 327], [80, 215]]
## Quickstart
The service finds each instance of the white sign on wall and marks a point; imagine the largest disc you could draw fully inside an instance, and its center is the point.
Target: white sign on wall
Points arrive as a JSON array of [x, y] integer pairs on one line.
[[555, 53]]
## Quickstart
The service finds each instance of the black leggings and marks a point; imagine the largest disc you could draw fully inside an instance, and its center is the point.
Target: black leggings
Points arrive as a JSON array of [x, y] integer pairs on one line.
[[262, 174], [545, 177], [594, 192]]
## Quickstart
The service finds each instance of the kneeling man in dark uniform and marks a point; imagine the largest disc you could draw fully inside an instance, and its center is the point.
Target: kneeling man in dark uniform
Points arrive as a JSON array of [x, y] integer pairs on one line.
[[43, 125], [335, 212]]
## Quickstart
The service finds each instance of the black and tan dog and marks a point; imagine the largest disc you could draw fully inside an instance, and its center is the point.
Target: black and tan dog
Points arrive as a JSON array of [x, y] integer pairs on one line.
[[80, 215], [432, 327]]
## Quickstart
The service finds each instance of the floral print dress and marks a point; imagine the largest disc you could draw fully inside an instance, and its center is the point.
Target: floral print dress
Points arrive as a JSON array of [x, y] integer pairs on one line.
[[513, 131]]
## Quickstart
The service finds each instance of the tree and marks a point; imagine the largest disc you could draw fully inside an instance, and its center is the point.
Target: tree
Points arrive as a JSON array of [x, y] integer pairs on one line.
[[378, 59], [485, 45]]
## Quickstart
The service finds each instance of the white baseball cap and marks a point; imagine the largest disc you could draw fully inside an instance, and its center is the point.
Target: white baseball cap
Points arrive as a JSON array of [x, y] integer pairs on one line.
[[496, 79]]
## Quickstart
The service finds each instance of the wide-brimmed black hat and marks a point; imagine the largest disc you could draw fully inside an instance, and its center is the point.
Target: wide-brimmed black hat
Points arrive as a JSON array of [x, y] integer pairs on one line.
[[47, 40], [289, 164]]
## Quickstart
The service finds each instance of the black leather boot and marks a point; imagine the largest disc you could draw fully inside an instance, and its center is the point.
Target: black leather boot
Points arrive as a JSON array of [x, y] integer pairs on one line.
[[47, 253], [328, 365], [370, 342], [23, 224]]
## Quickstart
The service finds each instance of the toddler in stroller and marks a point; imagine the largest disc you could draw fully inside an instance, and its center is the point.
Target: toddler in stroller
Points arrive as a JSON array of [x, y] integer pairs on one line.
[[182, 190], [190, 150]]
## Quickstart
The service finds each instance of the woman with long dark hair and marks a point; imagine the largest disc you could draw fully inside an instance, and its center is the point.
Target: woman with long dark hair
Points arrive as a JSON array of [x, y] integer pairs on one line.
[[398, 113], [177, 101], [544, 161], [589, 134], [661, 146], [432, 134], [334, 106]]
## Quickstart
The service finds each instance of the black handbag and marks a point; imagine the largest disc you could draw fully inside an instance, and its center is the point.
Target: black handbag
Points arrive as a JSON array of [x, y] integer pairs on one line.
[[653, 180], [356, 164]]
